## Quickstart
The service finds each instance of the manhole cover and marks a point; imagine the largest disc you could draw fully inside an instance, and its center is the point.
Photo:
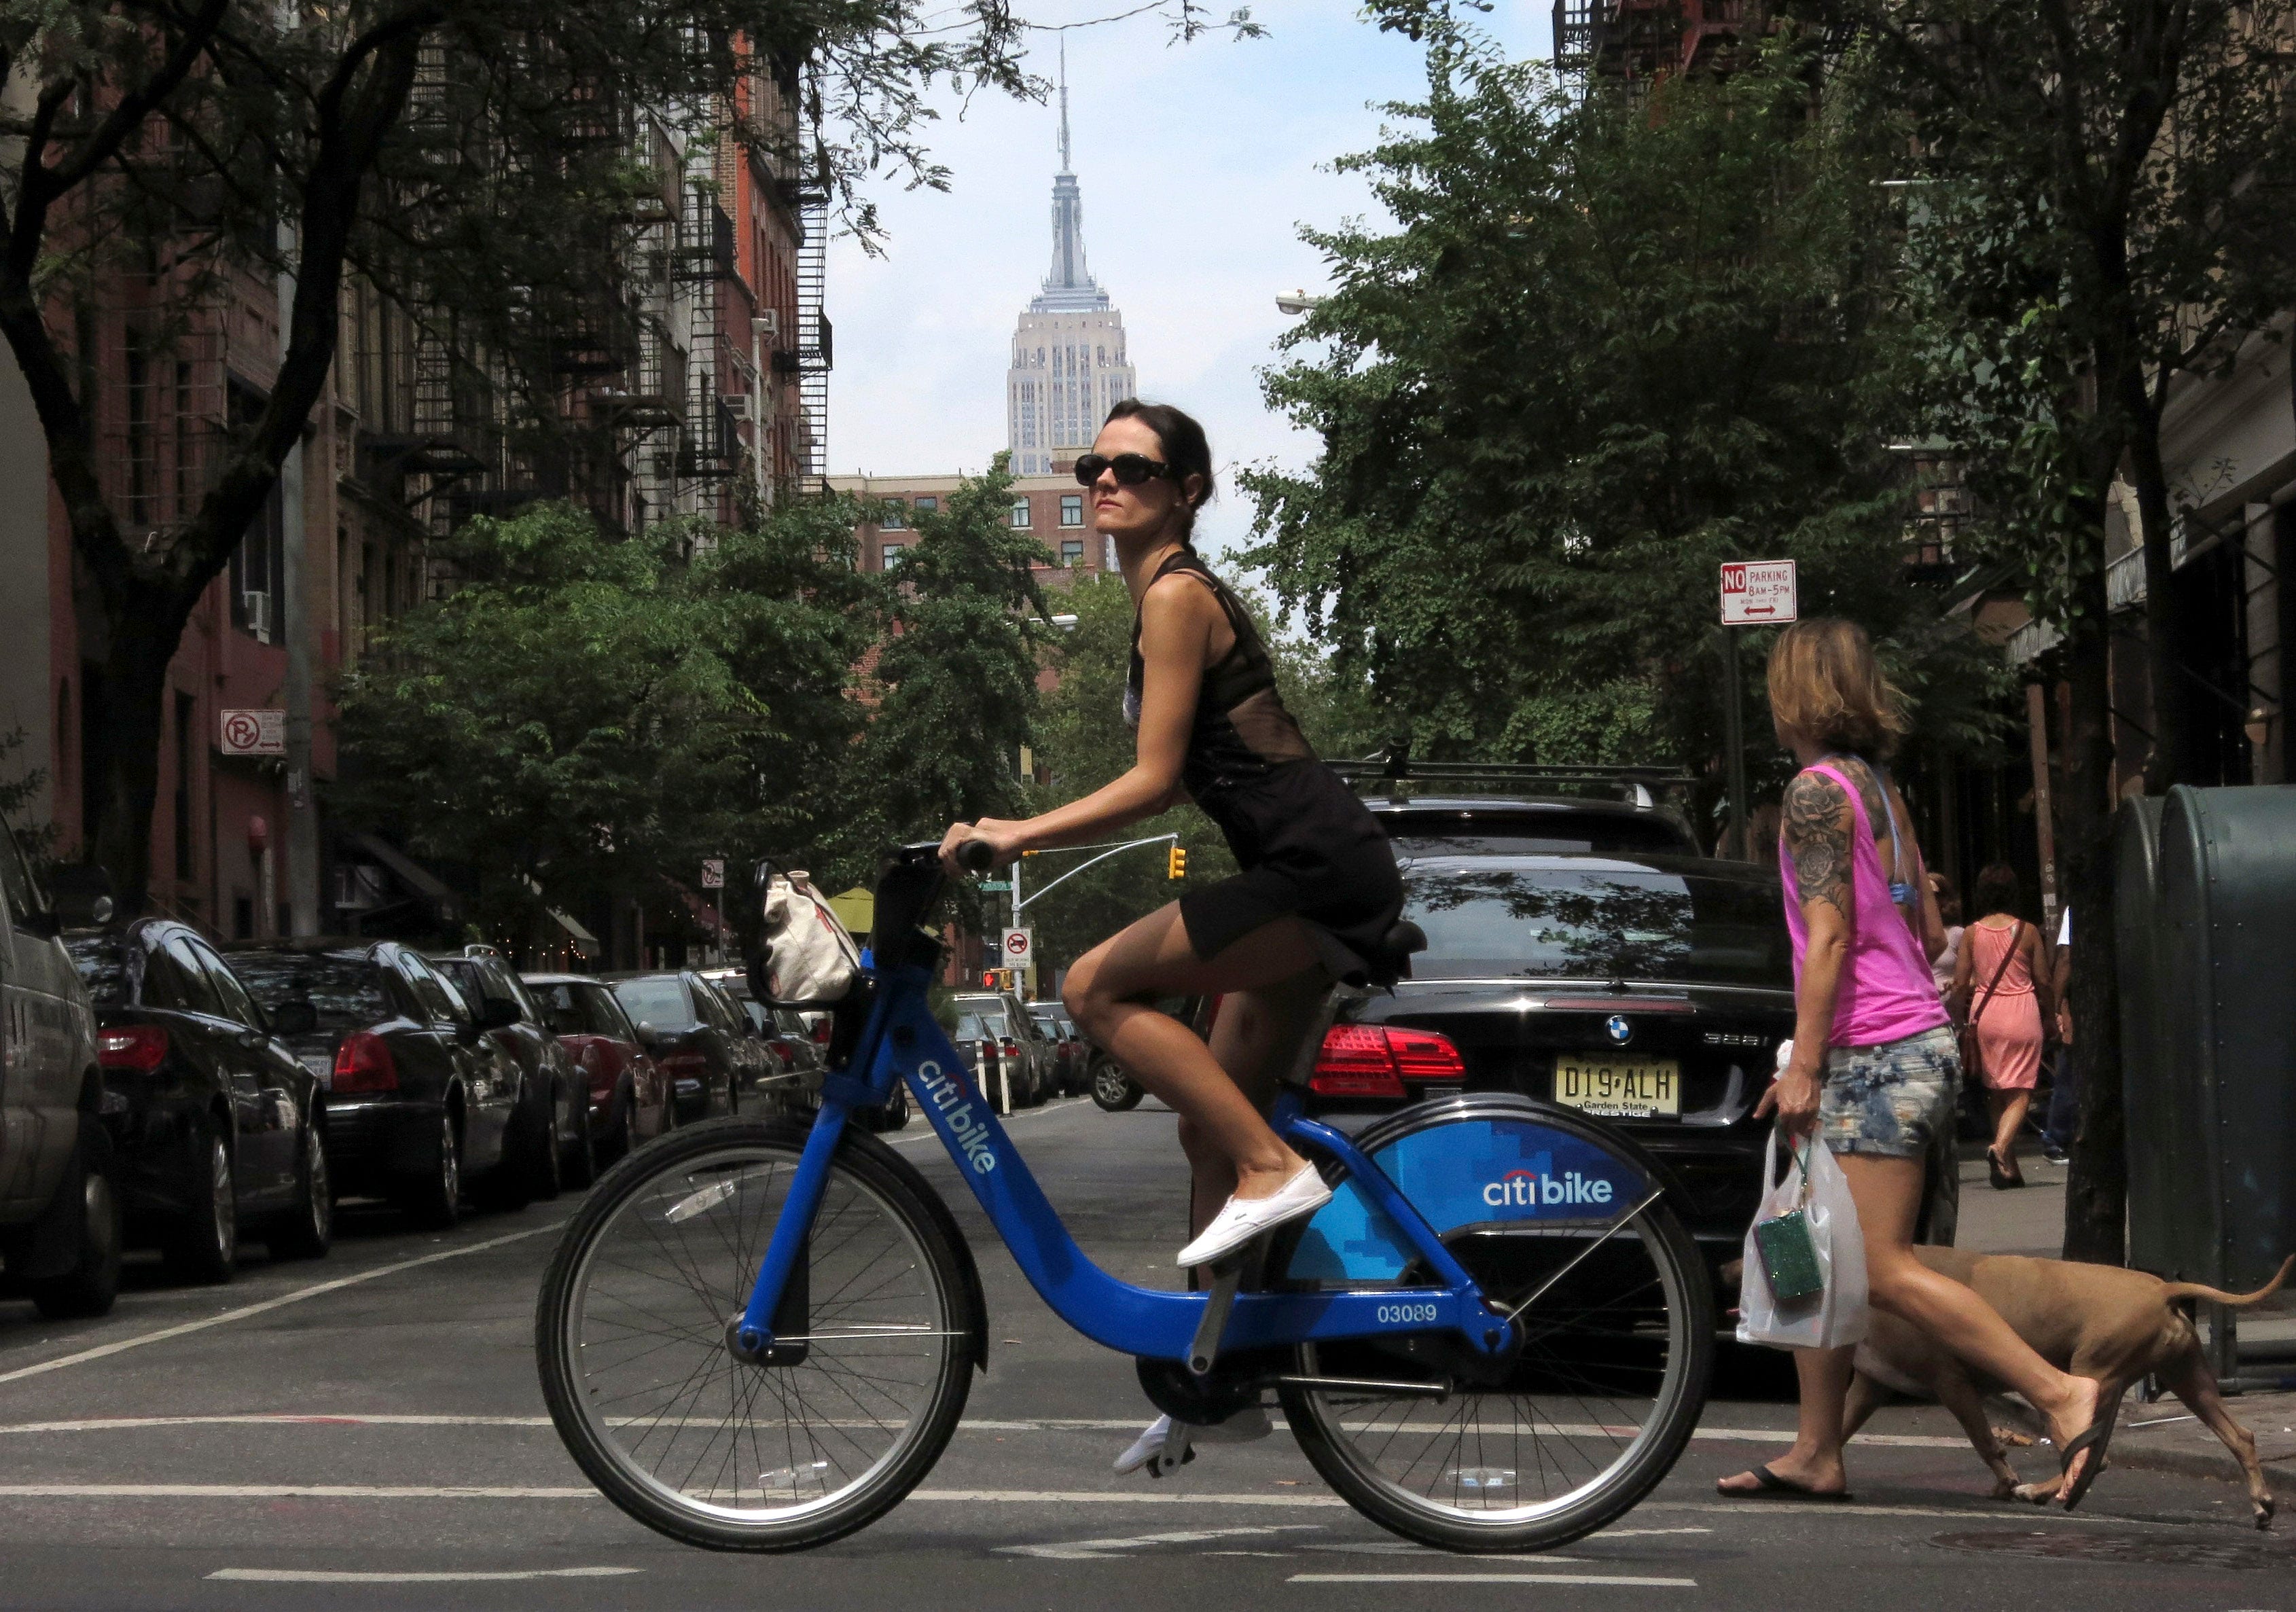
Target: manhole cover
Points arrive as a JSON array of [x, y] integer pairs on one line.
[[2149, 1550]]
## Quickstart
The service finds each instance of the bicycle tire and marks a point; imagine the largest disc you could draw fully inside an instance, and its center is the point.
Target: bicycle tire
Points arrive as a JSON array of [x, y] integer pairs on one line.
[[1474, 1517], [873, 1199]]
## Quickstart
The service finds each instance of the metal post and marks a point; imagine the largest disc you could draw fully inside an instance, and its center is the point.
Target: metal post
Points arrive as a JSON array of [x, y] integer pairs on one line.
[[2044, 822], [1030, 968], [295, 629], [1733, 742]]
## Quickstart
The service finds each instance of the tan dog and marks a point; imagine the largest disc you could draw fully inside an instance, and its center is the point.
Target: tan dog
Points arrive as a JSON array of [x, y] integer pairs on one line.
[[2098, 1321]]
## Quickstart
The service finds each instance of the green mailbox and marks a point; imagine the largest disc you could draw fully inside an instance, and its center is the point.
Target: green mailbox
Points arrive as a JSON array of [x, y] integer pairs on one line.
[[2160, 1133], [2222, 1112]]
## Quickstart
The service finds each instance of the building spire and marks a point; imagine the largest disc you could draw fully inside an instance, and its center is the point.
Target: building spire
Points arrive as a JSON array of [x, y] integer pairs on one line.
[[1070, 285]]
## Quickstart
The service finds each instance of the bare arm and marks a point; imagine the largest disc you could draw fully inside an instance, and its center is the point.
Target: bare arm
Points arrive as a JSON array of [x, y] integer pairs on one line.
[[1177, 618], [1965, 973], [1819, 827]]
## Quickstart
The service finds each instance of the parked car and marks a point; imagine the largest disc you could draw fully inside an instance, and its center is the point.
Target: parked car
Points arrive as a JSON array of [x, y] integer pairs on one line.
[[630, 1098], [551, 1128], [1115, 1092], [763, 1074], [419, 1099], [1072, 1055], [1500, 826], [1009, 1056], [216, 1125], [1650, 988], [59, 1225], [803, 1049], [690, 1030]]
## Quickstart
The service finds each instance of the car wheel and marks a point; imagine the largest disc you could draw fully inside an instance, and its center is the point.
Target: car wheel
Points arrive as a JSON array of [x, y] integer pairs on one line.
[[577, 1166], [307, 1231], [532, 1170], [92, 1283], [1113, 1089], [202, 1244], [434, 1200]]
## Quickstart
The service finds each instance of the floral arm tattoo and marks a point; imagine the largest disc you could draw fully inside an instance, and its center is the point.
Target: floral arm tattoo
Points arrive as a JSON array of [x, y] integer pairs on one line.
[[1819, 835]]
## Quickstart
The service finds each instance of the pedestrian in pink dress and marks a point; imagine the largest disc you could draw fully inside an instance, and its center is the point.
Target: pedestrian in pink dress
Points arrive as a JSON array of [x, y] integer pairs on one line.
[[2002, 993]]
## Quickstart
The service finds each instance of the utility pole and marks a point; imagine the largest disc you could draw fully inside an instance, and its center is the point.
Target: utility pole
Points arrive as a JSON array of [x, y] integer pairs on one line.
[[1733, 739], [296, 624]]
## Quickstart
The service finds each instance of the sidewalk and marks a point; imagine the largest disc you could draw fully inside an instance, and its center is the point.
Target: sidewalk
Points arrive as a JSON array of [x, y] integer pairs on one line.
[[2162, 1437]]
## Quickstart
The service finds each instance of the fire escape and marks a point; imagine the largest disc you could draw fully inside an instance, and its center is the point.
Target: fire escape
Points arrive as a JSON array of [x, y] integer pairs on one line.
[[1640, 42]]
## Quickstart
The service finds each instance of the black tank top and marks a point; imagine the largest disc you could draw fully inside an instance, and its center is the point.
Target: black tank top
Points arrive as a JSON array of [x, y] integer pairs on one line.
[[1241, 731]]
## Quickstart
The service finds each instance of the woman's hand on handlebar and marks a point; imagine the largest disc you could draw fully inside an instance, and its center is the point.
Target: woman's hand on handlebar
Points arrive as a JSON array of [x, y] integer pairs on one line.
[[1002, 837]]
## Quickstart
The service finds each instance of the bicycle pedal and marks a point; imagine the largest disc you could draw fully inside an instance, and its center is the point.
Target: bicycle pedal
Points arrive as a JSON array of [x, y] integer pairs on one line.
[[1179, 1449]]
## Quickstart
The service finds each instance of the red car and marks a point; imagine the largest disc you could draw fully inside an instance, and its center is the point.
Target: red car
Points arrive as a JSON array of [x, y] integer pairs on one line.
[[630, 1097]]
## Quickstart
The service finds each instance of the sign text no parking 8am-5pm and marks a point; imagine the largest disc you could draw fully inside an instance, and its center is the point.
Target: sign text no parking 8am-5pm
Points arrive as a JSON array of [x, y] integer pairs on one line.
[[1755, 593]]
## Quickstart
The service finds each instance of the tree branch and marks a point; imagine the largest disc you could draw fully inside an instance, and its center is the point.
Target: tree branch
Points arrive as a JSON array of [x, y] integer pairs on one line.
[[133, 108]]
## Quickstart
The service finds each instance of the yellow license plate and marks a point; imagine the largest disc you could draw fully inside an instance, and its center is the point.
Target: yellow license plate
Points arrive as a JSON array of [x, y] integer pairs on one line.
[[1622, 1088]]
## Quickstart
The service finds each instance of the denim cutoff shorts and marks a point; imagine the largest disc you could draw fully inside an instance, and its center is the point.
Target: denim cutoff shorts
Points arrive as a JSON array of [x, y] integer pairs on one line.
[[1894, 1101]]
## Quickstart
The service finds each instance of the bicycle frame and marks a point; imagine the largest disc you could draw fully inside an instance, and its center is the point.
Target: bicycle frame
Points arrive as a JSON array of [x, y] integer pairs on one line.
[[901, 1041]]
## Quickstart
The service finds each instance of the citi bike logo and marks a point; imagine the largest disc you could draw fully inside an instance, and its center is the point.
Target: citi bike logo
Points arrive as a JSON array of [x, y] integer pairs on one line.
[[949, 1098], [1530, 1186]]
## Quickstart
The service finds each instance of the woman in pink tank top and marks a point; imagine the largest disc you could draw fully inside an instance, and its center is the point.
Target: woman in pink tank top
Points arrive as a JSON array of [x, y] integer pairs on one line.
[[1873, 1070]]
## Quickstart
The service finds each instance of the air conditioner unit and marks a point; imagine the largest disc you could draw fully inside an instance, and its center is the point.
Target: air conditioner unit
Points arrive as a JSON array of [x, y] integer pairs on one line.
[[257, 607], [767, 326]]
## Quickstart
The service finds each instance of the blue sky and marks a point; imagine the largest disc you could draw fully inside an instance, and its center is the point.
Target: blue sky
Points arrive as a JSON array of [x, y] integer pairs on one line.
[[1198, 165]]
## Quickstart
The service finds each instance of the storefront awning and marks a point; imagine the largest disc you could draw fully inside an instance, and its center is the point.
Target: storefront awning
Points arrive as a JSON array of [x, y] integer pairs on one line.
[[435, 893], [855, 909]]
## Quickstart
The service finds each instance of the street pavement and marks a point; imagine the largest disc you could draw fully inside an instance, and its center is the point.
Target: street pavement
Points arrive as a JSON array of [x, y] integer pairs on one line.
[[367, 1432]]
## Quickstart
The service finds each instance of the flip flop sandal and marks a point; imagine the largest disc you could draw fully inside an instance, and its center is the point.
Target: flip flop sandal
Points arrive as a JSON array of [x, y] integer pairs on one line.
[[1997, 1173], [2094, 1440], [1774, 1487]]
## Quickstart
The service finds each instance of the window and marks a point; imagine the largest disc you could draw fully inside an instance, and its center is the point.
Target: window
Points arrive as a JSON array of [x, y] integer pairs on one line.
[[889, 555], [1071, 509], [895, 516], [16, 879], [658, 1001], [437, 998], [347, 993], [926, 506], [198, 991], [232, 997], [1071, 552], [1020, 514]]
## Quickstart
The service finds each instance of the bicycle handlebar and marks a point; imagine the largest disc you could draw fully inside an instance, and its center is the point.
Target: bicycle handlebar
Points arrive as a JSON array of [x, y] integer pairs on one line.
[[975, 855]]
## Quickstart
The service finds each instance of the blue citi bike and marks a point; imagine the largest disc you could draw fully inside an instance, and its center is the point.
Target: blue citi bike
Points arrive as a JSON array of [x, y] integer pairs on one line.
[[759, 1335]]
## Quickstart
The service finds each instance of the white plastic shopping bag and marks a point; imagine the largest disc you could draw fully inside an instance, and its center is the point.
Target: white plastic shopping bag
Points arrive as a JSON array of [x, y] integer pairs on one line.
[[810, 956], [1835, 1314]]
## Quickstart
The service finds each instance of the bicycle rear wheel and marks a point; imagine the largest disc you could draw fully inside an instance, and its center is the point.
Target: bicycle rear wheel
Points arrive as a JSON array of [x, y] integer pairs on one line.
[[630, 1334], [1590, 1416]]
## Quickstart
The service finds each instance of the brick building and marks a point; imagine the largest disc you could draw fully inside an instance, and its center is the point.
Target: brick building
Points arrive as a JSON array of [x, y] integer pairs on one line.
[[1049, 508]]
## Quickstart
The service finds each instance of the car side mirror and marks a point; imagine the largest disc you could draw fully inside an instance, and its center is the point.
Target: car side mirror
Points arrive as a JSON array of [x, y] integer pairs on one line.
[[649, 1037], [498, 1012], [294, 1017]]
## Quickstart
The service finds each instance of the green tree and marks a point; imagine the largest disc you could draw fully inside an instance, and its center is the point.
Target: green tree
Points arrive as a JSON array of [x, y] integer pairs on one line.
[[2097, 217], [591, 714], [1609, 345], [444, 150]]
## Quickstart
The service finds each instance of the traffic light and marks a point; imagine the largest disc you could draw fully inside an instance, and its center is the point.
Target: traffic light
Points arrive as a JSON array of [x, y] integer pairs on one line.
[[1175, 862]]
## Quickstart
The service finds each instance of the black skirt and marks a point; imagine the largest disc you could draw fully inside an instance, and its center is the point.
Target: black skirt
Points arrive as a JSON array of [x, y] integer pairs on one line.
[[1310, 849]]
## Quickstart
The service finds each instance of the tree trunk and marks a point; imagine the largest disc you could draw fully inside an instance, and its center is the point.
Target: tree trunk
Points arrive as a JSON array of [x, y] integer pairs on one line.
[[2097, 1192], [125, 704], [2164, 656]]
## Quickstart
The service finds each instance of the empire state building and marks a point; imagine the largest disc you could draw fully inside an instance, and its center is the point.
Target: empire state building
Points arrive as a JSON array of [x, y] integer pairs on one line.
[[1069, 362]]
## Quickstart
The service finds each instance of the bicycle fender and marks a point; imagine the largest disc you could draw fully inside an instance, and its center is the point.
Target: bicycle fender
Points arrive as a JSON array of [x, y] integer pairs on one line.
[[859, 1141]]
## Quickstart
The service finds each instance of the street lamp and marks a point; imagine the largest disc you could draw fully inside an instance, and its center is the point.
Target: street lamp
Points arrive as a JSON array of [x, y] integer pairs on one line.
[[1296, 302]]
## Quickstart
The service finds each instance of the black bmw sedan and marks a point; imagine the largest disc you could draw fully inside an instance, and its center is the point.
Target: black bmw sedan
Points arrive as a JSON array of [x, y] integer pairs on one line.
[[216, 1128], [1650, 988], [418, 1097]]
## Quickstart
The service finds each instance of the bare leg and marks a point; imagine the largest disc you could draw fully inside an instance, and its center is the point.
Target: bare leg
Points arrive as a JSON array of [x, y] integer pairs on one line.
[[1888, 1193], [2008, 1118], [1106, 989], [1814, 1461], [1254, 1039]]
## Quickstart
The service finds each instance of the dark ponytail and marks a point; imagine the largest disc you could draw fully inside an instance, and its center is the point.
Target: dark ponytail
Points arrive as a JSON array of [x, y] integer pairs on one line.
[[1186, 448]]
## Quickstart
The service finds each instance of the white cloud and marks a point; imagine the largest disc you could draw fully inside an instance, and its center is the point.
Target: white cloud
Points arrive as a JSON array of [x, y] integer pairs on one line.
[[1198, 165]]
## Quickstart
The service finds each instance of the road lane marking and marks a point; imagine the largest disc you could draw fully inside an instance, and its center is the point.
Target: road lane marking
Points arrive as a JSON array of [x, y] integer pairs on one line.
[[1491, 1578], [289, 1418], [291, 1576], [1102, 1550], [244, 1310]]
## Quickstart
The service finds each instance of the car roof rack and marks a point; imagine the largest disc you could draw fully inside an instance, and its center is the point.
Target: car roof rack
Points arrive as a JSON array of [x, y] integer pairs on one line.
[[1647, 787]]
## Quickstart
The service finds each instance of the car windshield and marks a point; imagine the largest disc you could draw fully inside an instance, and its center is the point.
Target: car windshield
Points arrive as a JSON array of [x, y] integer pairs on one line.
[[974, 1024], [660, 1002], [1594, 920], [347, 992], [563, 1009], [102, 963]]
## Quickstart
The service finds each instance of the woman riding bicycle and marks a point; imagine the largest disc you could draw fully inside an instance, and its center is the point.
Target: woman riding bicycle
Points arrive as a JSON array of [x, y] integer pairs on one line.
[[1318, 889]]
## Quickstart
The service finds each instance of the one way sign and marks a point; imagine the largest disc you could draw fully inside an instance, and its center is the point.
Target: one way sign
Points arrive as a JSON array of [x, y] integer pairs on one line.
[[1759, 593]]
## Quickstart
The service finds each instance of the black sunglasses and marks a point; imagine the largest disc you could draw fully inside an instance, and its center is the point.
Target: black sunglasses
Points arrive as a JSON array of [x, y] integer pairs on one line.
[[1131, 469]]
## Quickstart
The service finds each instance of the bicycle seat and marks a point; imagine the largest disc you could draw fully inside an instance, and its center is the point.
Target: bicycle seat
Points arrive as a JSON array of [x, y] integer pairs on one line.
[[1393, 961]]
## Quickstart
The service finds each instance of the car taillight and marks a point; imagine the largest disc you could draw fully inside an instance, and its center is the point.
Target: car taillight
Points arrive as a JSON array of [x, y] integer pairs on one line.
[[1375, 1061], [1010, 1048], [821, 1033], [139, 1047], [689, 1064], [363, 1063], [787, 1053]]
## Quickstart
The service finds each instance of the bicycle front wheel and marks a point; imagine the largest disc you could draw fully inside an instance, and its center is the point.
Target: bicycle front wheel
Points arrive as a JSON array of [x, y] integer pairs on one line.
[[1590, 1417], [631, 1338]]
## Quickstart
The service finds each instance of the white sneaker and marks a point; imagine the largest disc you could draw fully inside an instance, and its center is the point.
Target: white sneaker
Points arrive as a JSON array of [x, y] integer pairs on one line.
[[1244, 1427], [1242, 1219]]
